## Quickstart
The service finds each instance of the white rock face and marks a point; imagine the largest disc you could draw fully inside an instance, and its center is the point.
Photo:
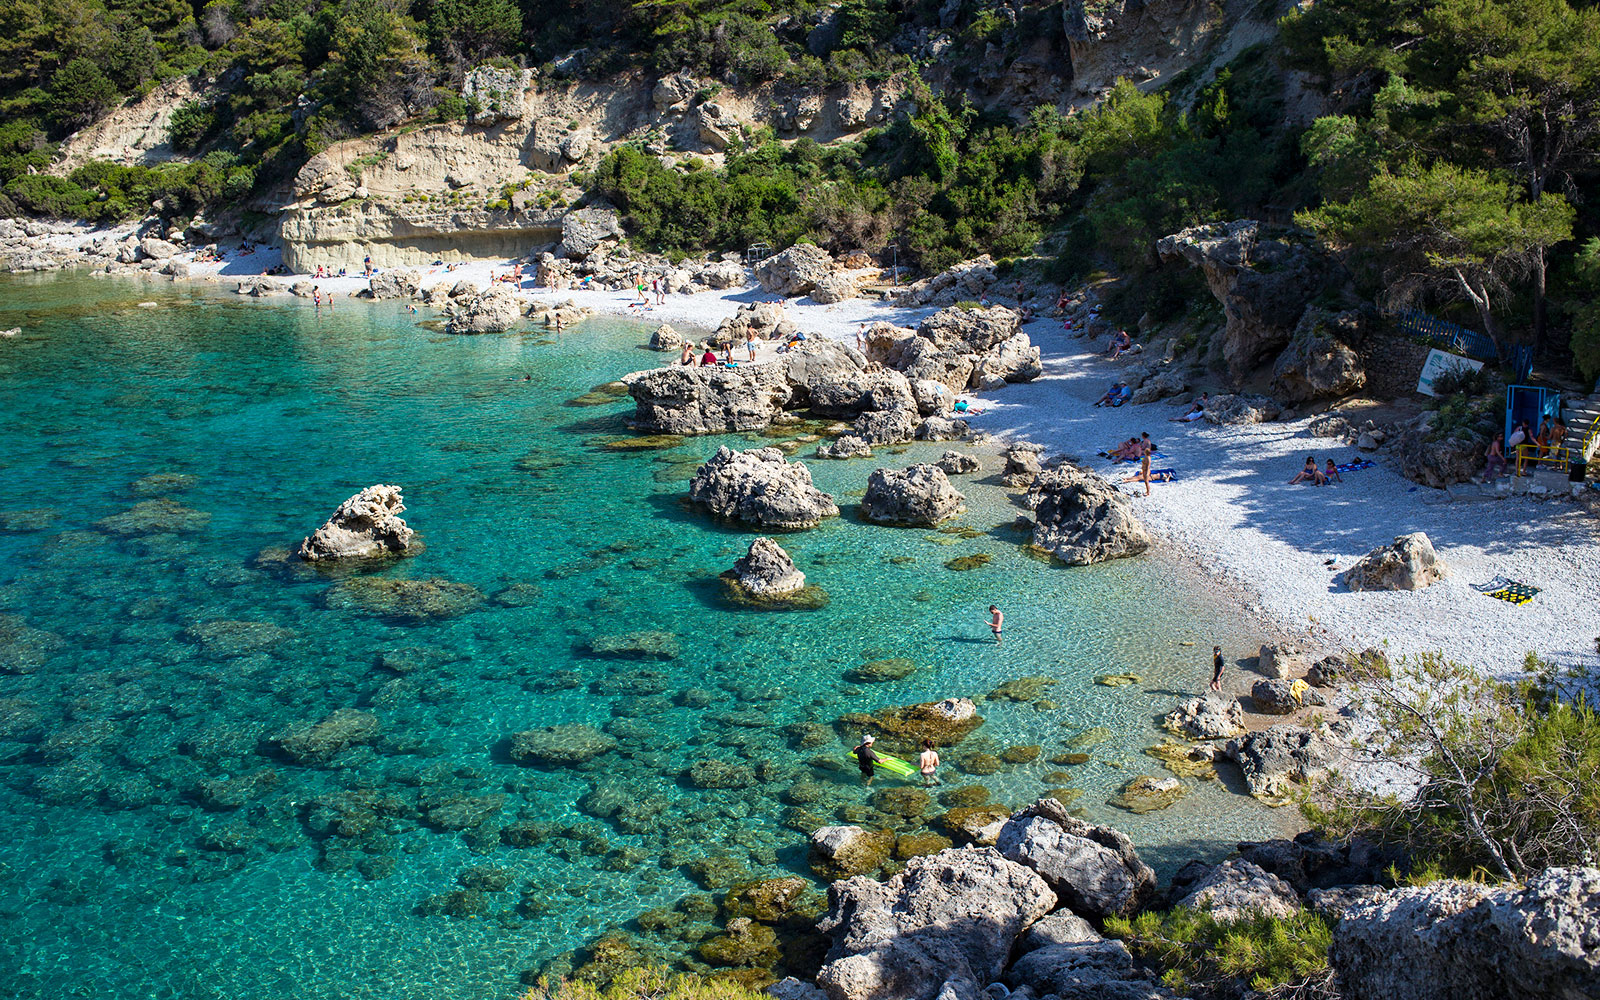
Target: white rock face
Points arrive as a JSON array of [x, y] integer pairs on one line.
[[366, 525]]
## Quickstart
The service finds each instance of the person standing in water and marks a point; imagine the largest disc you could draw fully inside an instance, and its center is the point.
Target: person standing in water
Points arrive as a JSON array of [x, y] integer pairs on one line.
[[1216, 668], [928, 764], [866, 757], [996, 622]]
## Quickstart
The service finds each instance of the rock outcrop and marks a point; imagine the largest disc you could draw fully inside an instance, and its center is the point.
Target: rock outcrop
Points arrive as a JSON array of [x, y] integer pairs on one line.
[[365, 526], [761, 488], [1276, 696], [1207, 718], [918, 496], [493, 310], [1237, 889], [1277, 759], [584, 229], [682, 400], [1243, 408], [1319, 361], [1082, 519], [965, 281], [795, 271], [944, 926], [766, 571], [1263, 275], [1467, 941], [1094, 869], [1409, 563]]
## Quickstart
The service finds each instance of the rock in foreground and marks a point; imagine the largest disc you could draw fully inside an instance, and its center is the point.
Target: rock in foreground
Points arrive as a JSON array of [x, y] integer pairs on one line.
[[759, 487], [1465, 941], [944, 926], [366, 525], [1410, 563], [765, 577], [1093, 868]]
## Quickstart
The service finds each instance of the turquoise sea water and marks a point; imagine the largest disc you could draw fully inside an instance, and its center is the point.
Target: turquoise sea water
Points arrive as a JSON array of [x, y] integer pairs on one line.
[[156, 462]]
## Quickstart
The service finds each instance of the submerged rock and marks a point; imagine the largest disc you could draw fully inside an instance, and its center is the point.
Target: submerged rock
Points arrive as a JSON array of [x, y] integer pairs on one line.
[[1410, 563], [903, 729], [760, 487], [920, 496], [222, 638], [573, 743], [364, 526], [320, 742], [413, 599], [1147, 794], [944, 926], [881, 671], [649, 644], [155, 517], [839, 852]]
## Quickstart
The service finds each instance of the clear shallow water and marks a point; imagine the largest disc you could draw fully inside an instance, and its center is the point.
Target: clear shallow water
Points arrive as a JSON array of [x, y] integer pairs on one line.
[[159, 843]]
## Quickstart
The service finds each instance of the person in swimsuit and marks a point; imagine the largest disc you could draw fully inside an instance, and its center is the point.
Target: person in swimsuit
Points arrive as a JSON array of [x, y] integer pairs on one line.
[[928, 763], [996, 622], [866, 757], [1216, 668], [750, 346], [1146, 446], [1309, 472], [687, 357], [1331, 473]]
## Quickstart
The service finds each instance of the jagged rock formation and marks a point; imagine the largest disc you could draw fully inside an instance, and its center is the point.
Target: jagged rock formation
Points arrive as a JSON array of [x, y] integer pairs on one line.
[[761, 488], [1319, 361], [767, 571], [1207, 718], [1409, 563], [795, 271], [1139, 41], [1094, 869], [959, 348], [943, 926], [1236, 889], [1274, 760], [918, 496], [681, 400], [1467, 941], [1082, 519], [366, 525], [1264, 276], [493, 310]]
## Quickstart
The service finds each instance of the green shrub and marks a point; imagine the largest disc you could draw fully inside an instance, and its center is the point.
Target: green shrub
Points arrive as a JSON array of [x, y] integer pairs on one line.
[[79, 93], [1203, 955], [190, 123], [648, 983]]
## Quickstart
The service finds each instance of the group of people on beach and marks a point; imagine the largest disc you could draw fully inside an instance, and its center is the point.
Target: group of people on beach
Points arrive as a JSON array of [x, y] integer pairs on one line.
[[692, 356], [1309, 473]]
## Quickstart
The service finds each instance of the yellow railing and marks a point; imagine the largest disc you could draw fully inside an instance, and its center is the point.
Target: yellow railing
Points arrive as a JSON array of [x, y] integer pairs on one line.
[[1571, 449]]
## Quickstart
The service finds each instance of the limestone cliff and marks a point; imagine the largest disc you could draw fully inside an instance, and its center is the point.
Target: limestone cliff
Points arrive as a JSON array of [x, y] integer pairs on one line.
[[495, 187]]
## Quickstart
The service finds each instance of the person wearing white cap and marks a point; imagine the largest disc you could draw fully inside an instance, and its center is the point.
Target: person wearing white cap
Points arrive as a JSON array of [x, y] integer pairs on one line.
[[866, 757]]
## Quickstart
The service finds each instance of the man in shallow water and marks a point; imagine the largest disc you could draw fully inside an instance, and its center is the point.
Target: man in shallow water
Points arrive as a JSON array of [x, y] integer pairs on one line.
[[866, 757]]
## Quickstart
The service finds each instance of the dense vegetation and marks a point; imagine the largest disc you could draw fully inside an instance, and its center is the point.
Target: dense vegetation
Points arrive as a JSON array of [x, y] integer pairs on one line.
[[1504, 771], [1451, 167], [1251, 956]]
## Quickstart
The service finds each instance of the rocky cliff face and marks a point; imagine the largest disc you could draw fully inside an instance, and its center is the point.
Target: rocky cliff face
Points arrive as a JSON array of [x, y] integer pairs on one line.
[[409, 198]]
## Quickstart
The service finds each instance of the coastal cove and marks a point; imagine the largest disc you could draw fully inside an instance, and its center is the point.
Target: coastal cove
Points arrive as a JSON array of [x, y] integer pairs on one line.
[[157, 646]]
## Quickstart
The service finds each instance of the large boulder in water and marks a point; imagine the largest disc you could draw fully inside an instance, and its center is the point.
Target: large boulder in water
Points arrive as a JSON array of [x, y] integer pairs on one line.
[[1469, 941], [1094, 869], [1409, 563], [765, 577], [919, 496], [760, 487], [839, 852], [1082, 519], [945, 926], [366, 525], [494, 310], [684, 400]]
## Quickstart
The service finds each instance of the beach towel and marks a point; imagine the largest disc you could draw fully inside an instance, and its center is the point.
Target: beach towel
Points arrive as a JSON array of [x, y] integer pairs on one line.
[[1356, 466], [1163, 475], [1503, 588]]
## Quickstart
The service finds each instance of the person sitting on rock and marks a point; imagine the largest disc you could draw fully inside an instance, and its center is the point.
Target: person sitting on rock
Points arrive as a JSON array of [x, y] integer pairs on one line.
[[687, 357], [709, 360], [1310, 473], [1120, 341], [1111, 395], [1196, 411]]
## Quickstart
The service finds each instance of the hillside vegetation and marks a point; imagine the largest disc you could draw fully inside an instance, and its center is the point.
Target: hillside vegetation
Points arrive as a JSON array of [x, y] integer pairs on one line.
[[1449, 157]]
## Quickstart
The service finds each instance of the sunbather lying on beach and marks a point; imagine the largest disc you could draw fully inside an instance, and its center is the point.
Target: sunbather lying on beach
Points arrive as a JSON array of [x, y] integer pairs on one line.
[[1130, 450]]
